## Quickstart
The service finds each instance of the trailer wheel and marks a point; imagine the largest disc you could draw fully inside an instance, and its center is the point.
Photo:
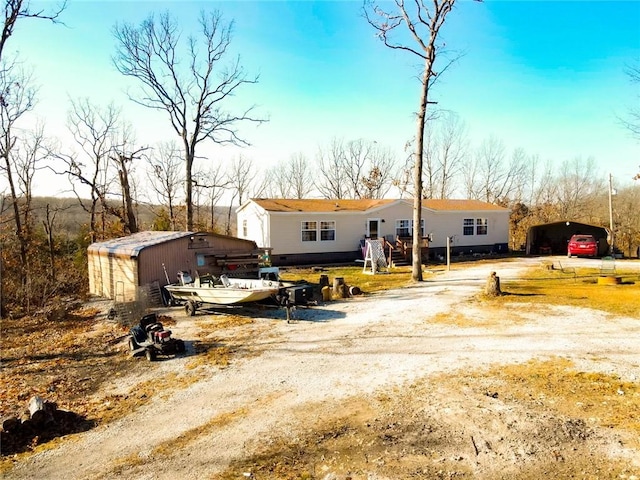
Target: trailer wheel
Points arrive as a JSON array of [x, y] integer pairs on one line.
[[150, 353], [190, 308]]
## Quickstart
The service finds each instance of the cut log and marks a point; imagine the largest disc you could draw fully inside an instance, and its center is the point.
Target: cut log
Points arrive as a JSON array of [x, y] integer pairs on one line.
[[41, 411], [492, 287], [36, 410], [324, 281]]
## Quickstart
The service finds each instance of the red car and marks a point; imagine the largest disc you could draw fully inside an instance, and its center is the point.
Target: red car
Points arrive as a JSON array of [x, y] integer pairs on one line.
[[583, 245]]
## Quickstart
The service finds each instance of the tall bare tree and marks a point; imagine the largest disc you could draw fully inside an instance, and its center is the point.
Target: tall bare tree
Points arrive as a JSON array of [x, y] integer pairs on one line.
[[104, 166], [422, 20], [15, 87], [16, 99], [194, 94], [15, 10], [445, 147], [451, 151], [632, 122], [123, 156]]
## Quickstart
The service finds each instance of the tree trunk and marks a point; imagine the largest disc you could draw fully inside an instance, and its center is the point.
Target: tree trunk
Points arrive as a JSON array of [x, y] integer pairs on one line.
[[189, 187], [492, 287], [416, 270], [129, 213]]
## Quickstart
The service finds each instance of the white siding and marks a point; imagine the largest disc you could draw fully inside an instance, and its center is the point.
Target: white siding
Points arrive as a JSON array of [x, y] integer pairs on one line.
[[286, 232], [450, 224], [281, 231], [258, 228]]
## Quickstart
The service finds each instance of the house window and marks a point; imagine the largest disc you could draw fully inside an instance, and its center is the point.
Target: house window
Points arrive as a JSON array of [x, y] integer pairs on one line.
[[244, 228], [482, 226], [404, 228], [309, 231], [327, 231], [467, 226]]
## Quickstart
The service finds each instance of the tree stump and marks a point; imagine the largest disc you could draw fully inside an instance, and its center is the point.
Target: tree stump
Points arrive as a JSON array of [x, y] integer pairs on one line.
[[492, 287], [338, 287], [324, 281], [326, 293]]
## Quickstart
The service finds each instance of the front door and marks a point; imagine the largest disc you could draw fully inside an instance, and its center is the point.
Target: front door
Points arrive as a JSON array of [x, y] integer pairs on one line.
[[373, 228]]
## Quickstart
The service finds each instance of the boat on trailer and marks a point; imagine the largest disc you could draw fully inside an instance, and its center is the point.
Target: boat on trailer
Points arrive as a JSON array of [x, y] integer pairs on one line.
[[221, 290]]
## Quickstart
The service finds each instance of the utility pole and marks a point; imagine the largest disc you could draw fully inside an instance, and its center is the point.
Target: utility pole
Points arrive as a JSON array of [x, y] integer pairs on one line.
[[610, 215]]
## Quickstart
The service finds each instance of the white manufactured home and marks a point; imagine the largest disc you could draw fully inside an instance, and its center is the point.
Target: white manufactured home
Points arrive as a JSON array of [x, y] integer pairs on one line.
[[325, 230]]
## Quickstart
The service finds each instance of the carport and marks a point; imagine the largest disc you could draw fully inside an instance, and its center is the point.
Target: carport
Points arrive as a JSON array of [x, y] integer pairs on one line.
[[552, 238]]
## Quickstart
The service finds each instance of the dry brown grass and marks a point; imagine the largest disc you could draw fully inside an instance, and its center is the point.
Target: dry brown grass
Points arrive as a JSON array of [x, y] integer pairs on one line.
[[426, 430], [557, 288], [598, 398], [353, 276]]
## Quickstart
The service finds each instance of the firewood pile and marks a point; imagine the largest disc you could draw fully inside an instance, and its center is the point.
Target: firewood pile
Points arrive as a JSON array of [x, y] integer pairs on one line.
[[42, 422]]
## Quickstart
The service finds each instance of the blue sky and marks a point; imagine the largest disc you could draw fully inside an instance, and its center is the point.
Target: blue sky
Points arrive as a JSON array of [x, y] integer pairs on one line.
[[543, 75]]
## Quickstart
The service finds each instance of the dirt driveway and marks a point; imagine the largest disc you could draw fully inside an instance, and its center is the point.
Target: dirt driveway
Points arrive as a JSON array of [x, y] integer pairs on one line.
[[378, 387]]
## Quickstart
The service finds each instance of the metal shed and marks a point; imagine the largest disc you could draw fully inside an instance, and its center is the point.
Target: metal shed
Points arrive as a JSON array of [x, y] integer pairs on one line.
[[122, 269], [553, 238]]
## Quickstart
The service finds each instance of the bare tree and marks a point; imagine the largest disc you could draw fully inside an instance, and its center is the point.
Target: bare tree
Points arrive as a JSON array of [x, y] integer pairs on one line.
[[123, 155], [275, 182], [16, 99], [490, 177], [165, 177], [331, 173], [242, 174], [354, 169], [14, 10], [451, 151], [104, 168], [212, 182], [632, 122], [423, 23], [194, 96], [289, 179], [445, 147], [577, 185], [299, 176]]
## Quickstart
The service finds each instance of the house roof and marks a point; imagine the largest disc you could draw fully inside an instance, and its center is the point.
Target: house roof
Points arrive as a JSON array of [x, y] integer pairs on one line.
[[449, 205], [131, 245], [319, 204], [361, 205]]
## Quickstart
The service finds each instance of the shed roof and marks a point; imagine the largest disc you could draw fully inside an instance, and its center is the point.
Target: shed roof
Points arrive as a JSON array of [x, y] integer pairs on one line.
[[131, 245], [362, 205]]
